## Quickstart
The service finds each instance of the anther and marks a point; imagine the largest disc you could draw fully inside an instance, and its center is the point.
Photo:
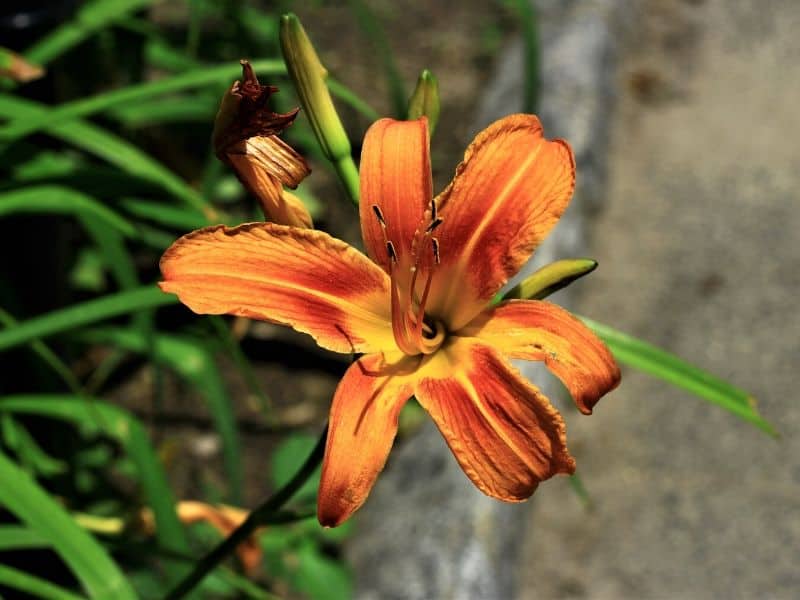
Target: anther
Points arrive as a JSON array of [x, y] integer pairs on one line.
[[391, 252], [435, 245], [379, 215], [433, 210], [433, 225]]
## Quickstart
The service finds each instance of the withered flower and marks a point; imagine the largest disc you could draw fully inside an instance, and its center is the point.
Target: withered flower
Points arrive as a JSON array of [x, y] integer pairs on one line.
[[246, 137]]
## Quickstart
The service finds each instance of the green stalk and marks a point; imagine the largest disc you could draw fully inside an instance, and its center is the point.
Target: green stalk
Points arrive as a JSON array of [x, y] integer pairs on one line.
[[261, 516]]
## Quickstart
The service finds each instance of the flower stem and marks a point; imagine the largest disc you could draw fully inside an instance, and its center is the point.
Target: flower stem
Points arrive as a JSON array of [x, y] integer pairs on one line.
[[260, 516], [348, 174]]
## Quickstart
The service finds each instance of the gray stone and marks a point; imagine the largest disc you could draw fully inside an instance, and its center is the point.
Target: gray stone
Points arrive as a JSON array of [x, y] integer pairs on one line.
[[698, 252]]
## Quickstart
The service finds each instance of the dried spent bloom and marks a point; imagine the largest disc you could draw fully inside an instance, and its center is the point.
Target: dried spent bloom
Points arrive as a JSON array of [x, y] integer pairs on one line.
[[418, 307], [246, 137], [17, 68], [225, 519]]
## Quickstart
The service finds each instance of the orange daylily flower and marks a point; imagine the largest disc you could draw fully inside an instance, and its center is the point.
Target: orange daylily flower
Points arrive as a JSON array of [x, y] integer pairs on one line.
[[417, 307]]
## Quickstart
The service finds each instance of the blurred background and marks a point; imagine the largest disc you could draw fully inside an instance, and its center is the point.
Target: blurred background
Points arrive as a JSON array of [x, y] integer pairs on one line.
[[117, 403]]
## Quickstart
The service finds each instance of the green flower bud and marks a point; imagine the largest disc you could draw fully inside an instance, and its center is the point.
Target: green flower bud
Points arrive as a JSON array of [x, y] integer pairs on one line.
[[309, 75], [424, 102], [551, 278]]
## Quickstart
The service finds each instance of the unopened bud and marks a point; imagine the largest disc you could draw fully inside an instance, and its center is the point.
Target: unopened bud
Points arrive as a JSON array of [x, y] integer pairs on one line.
[[551, 278], [424, 102], [309, 76]]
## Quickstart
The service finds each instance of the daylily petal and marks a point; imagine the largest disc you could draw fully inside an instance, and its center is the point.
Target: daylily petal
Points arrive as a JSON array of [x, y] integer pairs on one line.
[[224, 519], [362, 426], [298, 277], [502, 430], [536, 330], [507, 194], [396, 177], [278, 205]]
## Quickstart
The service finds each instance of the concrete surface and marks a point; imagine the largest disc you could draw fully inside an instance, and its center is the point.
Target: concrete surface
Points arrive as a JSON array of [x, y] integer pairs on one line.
[[698, 251]]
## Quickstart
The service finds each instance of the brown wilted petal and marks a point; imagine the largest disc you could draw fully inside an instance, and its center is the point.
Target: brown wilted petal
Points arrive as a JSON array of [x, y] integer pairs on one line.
[[224, 519], [244, 113], [245, 137]]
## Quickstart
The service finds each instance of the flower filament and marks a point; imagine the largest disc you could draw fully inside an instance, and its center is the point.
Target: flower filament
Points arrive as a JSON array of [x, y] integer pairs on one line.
[[413, 333]]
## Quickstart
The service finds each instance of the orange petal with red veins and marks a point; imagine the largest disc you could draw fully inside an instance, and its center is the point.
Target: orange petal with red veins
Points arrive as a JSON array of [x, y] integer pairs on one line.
[[502, 430], [298, 277], [396, 177], [536, 330], [507, 194], [362, 426]]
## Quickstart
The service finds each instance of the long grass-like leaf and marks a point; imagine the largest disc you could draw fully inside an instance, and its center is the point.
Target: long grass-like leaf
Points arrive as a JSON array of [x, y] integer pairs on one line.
[[54, 199], [193, 361], [526, 11], [349, 97], [95, 415], [87, 559], [162, 111], [35, 586], [110, 148], [92, 17], [163, 214], [49, 357], [659, 363], [15, 537], [30, 455], [202, 76], [232, 348], [91, 311], [374, 32]]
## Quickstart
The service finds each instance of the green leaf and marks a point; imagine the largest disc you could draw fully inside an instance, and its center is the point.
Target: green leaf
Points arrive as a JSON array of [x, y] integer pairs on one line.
[[349, 97], [87, 559], [91, 311], [50, 358], [95, 416], [36, 587], [163, 214], [110, 148], [53, 199], [231, 347], [192, 360], [92, 17], [88, 272], [288, 457], [373, 31], [159, 111], [526, 12], [31, 455], [659, 363], [317, 576], [205, 75], [15, 537]]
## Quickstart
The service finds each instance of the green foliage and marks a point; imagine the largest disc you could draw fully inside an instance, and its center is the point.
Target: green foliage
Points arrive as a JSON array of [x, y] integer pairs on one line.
[[104, 166], [110, 201]]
